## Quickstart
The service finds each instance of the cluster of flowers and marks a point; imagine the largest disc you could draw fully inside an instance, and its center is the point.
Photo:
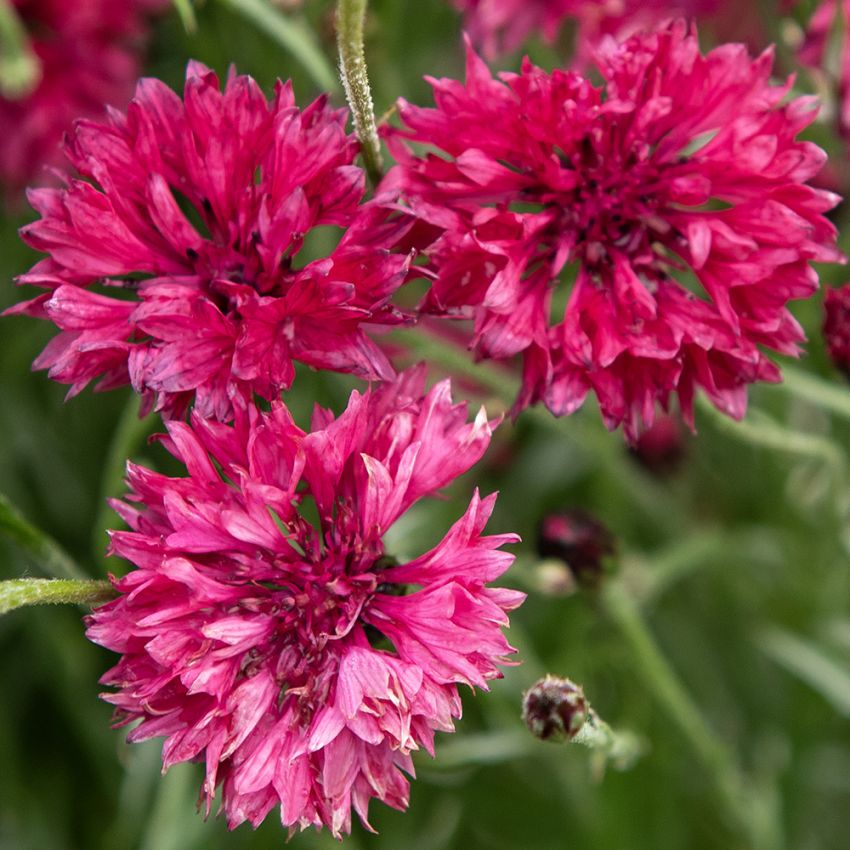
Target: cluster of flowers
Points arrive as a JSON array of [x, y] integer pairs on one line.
[[666, 212], [300, 661]]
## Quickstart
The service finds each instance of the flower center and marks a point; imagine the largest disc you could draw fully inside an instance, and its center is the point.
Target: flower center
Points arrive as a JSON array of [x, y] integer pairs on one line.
[[314, 604], [614, 207]]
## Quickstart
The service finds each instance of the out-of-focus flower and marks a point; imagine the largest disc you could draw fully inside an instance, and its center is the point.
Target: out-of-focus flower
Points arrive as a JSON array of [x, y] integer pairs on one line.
[[500, 26], [662, 220], [836, 326], [294, 658], [578, 539], [87, 54], [199, 210], [830, 19]]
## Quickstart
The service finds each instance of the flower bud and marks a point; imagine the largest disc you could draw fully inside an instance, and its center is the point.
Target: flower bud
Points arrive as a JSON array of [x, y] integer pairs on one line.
[[579, 540], [552, 577], [660, 449], [555, 709], [836, 326]]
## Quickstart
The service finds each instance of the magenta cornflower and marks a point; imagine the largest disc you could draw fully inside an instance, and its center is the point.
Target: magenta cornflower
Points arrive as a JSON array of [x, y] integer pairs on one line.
[[198, 210], [88, 57], [662, 221], [297, 659], [500, 26]]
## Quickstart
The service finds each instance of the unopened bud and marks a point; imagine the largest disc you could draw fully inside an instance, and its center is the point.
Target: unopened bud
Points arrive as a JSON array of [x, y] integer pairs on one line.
[[660, 448], [552, 577], [555, 709], [580, 541]]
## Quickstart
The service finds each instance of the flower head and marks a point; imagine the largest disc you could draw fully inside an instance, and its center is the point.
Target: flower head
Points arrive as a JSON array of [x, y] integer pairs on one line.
[[663, 220], [199, 210], [296, 659], [87, 57]]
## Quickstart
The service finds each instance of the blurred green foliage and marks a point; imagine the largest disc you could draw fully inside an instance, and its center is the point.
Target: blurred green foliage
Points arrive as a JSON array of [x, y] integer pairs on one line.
[[741, 557]]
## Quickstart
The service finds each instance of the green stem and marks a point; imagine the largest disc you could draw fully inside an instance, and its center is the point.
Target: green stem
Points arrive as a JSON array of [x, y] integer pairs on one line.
[[760, 430], [45, 551], [20, 70], [17, 592], [621, 749], [293, 35], [126, 438], [833, 398], [653, 670], [651, 577], [350, 15]]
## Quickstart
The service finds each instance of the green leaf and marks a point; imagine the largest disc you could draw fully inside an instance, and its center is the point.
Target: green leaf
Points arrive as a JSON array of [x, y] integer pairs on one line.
[[47, 553], [810, 663]]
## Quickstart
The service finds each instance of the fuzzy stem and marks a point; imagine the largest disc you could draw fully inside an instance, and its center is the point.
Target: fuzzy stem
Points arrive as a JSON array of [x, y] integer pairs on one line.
[[350, 15], [293, 35], [20, 70], [619, 748], [45, 551], [17, 592], [656, 674]]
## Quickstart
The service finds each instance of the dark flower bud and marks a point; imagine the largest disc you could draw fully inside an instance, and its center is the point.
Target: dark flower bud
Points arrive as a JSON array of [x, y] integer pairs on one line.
[[660, 449], [579, 540], [836, 326], [555, 709]]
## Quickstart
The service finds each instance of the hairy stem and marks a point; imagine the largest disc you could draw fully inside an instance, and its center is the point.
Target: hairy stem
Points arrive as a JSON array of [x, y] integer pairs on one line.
[[350, 15], [18, 592]]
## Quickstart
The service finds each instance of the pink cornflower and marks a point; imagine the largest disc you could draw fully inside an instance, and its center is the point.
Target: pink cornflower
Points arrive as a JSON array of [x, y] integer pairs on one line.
[[662, 221], [500, 26], [198, 210], [88, 57], [293, 657]]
